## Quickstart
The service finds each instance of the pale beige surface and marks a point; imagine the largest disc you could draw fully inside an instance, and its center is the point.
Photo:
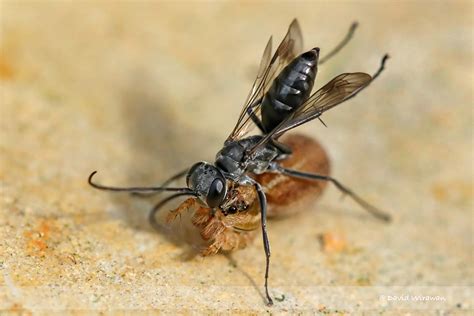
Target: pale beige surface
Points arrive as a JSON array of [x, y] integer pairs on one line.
[[139, 91]]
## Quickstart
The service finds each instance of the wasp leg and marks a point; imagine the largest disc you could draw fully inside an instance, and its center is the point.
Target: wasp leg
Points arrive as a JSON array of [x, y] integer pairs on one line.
[[285, 150], [343, 43], [365, 205], [254, 117], [266, 244], [173, 178]]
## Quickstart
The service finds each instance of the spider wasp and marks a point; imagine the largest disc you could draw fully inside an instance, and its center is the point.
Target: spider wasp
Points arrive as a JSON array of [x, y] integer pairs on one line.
[[228, 196]]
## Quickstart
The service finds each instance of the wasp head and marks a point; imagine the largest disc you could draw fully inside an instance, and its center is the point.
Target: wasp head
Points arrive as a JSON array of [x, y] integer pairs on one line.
[[208, 182]]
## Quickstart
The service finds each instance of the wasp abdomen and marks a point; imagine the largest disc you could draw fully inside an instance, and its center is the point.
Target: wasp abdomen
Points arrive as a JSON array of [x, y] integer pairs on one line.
[[290, 89]]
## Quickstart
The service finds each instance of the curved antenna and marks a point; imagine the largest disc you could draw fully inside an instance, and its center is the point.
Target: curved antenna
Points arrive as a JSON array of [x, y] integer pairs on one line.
[[157, 207], [136, 189]]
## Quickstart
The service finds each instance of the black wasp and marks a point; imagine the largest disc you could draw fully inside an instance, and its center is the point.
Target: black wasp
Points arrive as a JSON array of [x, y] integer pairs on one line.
[[280, 100]]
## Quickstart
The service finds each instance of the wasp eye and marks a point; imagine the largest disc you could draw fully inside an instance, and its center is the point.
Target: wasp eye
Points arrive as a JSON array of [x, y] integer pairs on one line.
[[216, 193]]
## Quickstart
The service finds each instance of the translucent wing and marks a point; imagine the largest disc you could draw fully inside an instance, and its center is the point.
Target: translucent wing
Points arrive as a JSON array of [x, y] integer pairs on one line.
[[269, 69], [336, 91]]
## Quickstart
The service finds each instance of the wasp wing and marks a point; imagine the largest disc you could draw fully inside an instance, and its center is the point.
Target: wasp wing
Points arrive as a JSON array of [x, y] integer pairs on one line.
[[269, 69], [336, 91]]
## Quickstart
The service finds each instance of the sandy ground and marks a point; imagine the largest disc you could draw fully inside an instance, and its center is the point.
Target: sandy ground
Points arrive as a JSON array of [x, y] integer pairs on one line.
[[139, 91]]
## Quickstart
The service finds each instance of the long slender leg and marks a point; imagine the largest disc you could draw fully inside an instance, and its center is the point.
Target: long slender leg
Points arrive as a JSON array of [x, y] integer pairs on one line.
[[266, 244], [284, 149], [374, 76], [343, 43], [254, 117], [173, 178], [368, 207], [381, 68]]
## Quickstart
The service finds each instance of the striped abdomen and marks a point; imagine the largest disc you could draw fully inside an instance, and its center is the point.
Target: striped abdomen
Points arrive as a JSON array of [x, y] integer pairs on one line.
[[290, 89]]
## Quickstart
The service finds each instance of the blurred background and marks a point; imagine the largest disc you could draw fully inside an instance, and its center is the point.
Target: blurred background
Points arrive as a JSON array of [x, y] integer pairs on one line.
[[142, 90]]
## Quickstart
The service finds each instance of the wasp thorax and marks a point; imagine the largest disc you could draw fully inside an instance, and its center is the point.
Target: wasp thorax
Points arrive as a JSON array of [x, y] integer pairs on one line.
[[230, 156], [208, 182]]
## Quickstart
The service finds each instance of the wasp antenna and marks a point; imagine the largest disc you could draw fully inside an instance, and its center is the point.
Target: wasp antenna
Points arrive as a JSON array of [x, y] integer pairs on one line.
[[135, 189], [89, 180]]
